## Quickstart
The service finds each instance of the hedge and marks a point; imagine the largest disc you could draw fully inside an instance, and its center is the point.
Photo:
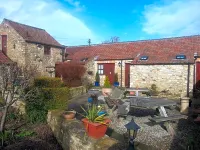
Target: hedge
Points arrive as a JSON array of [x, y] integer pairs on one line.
[[56, 98], [48, 82]]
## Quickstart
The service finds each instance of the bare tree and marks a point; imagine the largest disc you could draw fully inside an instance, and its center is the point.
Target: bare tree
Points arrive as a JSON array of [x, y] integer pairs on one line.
[[113, 39], [13, 82]]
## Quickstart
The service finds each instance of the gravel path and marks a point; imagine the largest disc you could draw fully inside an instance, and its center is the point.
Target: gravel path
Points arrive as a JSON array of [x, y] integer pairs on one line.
[[155, 135]]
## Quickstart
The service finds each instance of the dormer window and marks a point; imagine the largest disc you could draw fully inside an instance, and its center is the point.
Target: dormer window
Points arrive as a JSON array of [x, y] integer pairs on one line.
[[180, 56], [144, 57], [47, 50], [84, 59]]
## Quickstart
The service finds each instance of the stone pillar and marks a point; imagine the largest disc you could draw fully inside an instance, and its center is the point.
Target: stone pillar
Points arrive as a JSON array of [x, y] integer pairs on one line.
[[184, 105]]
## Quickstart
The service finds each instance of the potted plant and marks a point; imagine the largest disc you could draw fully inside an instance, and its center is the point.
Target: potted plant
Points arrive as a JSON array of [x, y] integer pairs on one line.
[[95, 122], [68, 115], [106, 87], [97, 79], [116, 83]]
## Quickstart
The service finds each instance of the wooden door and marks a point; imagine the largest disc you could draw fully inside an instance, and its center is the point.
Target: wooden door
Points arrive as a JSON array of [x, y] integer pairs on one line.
[[4, 44], [127, 75], [198, 75], [109, 70]]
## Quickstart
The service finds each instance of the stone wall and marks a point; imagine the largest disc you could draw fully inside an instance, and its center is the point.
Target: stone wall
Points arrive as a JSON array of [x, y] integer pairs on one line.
[[29, 53], [77, 91], [172, 78], [89, 76], [71, 134], [15, 44], [35, 56]]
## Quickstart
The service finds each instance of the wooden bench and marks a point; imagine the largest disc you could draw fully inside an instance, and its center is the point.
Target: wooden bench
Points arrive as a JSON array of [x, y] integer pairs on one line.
[[169, 118]]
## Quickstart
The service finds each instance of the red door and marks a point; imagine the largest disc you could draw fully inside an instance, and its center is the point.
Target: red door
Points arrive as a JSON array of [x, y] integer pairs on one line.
[[127, 75], [4, 44], [198, 75], [109, 70]]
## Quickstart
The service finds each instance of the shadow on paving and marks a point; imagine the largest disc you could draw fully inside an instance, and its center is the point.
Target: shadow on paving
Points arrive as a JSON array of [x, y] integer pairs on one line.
[[186, 136]]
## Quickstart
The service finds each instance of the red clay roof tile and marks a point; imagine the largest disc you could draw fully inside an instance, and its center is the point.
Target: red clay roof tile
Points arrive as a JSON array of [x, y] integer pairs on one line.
[[33, 34], [4, 58], [158, 51]]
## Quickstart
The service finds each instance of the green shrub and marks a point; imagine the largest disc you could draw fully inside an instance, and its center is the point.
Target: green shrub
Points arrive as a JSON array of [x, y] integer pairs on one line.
[[41, 100], [107, 82], [48, 82], [36, 110], [56, 98], [116, 77], [97, 78]]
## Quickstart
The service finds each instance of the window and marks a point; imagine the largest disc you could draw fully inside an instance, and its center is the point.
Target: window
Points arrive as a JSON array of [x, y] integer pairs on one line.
[[180, 57], [47, 50], [144, 57], [100, 69]]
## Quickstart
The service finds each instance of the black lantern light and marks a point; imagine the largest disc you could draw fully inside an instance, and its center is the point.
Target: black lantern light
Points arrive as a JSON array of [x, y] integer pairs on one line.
[[132, 129], [119, 64]]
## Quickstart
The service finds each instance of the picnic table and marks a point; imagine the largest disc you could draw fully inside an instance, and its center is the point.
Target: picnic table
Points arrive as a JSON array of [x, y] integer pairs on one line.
[[136, 91], [159, 104], [152, 103]]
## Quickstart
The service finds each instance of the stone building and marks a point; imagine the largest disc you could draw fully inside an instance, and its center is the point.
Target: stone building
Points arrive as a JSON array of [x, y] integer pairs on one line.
[[168, 63], [27, 45]]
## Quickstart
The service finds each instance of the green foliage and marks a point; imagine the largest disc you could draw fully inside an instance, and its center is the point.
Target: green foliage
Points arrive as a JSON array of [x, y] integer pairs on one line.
[[56, 98], [116, 77], [48, 82], [23, 134], [36, 110], [154, 89], [6, 135], [92, 114], [107, 82], [11, 116], [43, 99], [97, 78]]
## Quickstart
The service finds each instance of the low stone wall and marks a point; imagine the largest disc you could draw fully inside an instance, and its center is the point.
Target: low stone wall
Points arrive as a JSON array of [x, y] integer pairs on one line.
[[71, 134], [77, 91]]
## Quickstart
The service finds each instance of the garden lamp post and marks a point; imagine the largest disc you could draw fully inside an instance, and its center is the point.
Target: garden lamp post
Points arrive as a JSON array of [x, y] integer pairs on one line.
[[132, 129]]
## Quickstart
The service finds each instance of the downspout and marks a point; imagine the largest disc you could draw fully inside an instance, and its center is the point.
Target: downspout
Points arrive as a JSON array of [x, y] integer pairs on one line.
[[121, 73], [188, 80]]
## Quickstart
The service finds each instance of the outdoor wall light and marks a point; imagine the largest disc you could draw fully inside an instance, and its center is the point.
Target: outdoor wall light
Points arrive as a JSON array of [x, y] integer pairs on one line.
[[132, 129], [195, 55], [119, 64]]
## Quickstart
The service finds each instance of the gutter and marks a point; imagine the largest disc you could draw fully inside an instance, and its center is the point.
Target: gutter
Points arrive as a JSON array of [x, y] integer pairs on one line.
[[188, 80]]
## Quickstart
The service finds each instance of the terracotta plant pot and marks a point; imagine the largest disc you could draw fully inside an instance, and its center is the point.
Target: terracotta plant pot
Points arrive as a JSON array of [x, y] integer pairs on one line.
[[95, 130], [69, 115], [106, 91]]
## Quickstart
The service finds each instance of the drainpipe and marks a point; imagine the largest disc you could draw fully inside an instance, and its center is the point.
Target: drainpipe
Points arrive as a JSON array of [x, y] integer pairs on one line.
[[188, 80], [121, 73]]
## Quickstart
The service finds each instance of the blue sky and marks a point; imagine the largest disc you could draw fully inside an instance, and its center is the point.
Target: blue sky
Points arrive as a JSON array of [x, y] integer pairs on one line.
[[73, 22]]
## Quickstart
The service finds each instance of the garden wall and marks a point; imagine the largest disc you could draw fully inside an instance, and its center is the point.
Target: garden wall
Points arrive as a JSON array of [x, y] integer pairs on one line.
[[77, 91], [71, 134]]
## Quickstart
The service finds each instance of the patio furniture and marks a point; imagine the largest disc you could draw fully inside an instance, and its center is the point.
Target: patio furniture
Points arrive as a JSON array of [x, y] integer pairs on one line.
[[115, 101], [159, 104], [136, 91]]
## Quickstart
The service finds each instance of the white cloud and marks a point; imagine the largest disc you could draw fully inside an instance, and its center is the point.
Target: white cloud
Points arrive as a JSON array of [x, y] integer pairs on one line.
[[50, 16], [76, 4], [175, 18]]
